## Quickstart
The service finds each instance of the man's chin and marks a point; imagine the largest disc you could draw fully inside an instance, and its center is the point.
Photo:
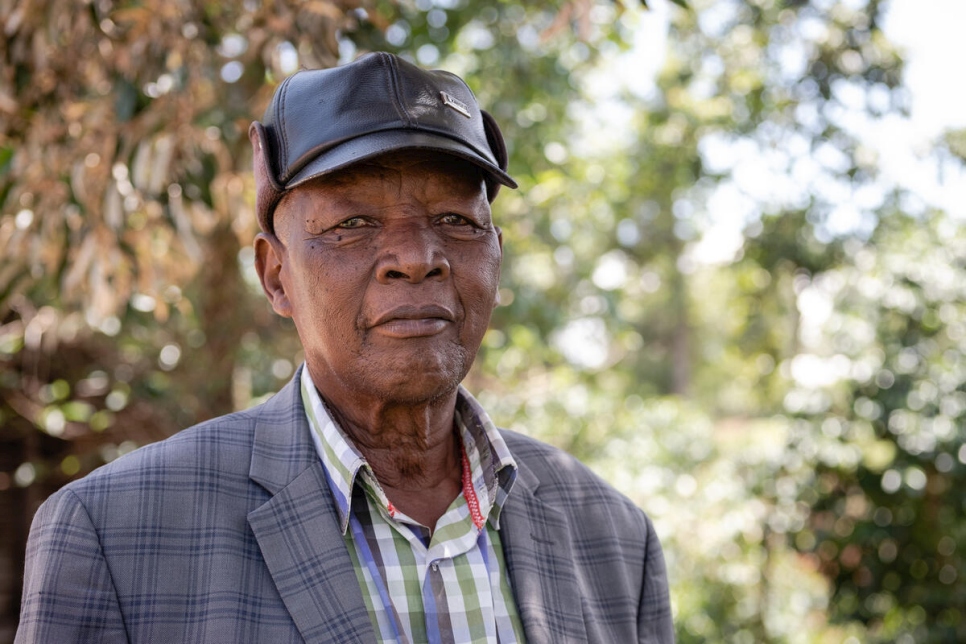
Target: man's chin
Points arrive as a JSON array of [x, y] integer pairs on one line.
[[408, 374], [419, 389], [420, 380]]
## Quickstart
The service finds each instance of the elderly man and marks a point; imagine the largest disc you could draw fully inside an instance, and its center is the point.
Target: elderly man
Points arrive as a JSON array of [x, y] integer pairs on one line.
[[372, 499]]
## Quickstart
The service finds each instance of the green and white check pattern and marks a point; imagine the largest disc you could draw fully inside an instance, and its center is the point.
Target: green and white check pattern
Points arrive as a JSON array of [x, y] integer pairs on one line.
[[448, 586]]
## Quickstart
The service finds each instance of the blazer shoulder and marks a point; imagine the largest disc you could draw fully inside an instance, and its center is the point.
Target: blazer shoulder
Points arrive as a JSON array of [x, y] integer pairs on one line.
[[219, 446], [605, 538], [564, 479]]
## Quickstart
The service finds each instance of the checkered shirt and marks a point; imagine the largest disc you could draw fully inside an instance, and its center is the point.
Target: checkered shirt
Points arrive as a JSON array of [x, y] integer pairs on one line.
[[448, 586]]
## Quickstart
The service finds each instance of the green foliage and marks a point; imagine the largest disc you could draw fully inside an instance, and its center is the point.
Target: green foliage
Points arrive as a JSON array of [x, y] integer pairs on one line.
[[885, 526]]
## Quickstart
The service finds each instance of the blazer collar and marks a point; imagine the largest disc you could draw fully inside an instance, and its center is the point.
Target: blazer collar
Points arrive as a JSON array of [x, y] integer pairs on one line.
[[539, 556], [298, 528]]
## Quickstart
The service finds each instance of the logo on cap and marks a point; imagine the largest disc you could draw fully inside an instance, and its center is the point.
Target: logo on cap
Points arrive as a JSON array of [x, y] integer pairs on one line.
[[456, 104]]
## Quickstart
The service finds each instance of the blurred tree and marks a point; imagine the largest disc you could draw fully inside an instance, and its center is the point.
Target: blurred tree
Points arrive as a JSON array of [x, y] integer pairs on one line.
[[126, 194], [888, 496], [628, 289]]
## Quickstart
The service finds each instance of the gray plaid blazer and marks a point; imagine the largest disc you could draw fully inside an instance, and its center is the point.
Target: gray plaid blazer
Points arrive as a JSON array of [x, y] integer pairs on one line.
[[226, 532]]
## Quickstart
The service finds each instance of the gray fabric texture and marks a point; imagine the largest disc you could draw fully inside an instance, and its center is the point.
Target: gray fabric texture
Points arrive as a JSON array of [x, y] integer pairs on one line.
[[227, 532]]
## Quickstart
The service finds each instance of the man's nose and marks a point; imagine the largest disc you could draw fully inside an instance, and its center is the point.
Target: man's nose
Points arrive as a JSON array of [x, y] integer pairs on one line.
[[411, 253]]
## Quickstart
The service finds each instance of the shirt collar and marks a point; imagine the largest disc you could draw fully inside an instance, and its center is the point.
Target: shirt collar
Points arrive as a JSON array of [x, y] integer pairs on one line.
[[492, 468]]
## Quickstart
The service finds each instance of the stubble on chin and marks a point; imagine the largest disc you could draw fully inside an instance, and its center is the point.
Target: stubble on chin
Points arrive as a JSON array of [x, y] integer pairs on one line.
[[414, 380]]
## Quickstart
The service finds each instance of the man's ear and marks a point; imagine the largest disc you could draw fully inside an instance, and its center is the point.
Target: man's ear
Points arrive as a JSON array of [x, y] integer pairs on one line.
[[269, 255]]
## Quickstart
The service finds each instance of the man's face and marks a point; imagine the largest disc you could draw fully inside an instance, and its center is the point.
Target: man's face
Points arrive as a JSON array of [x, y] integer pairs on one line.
[[390, 271]]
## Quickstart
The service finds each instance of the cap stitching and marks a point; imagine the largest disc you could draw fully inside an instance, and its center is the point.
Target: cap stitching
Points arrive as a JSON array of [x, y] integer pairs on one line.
[[395, 92], [283, 151]]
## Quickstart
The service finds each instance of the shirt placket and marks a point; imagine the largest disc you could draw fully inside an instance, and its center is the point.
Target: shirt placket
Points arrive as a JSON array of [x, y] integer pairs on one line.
[[438, 577]]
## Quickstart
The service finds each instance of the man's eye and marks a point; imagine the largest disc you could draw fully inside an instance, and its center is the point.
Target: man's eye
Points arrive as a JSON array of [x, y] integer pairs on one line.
[[354, 222], [454, 220]]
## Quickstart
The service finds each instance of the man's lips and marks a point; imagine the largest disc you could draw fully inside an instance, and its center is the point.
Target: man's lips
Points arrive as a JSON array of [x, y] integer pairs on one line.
[[411, 321]]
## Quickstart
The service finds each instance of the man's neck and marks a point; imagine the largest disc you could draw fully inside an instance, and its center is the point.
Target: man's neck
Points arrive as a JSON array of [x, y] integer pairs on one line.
[[413, 450]]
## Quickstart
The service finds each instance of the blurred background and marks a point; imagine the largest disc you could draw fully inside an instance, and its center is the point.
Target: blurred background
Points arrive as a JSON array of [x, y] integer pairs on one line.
[[734, 277]]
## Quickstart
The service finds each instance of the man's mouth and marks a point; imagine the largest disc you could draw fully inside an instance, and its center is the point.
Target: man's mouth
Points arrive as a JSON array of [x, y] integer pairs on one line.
[[413, 321]]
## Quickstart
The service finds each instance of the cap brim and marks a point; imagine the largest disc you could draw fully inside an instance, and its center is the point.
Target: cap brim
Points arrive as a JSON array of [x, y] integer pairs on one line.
[[372, 145]]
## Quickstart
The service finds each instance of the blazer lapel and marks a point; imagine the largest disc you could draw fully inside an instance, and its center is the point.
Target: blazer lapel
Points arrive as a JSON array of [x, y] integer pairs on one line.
[[540, 561], [297, 529]]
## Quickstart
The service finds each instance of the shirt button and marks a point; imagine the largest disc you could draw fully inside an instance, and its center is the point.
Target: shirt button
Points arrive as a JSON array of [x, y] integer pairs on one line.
[[435, 566]]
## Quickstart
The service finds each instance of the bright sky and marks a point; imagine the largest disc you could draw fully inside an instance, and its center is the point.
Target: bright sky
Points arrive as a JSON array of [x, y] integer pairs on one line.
[[932, 38], [932, 34]]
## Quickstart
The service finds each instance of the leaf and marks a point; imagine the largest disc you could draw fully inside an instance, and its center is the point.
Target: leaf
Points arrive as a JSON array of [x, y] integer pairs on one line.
[[956, 142], [7, 103], [327, 9], [681, 3], [138, 16], [6, 158], [125, 103]]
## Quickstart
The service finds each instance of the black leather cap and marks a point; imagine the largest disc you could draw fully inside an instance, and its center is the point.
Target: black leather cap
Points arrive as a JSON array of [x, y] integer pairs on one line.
[[320, 121]]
